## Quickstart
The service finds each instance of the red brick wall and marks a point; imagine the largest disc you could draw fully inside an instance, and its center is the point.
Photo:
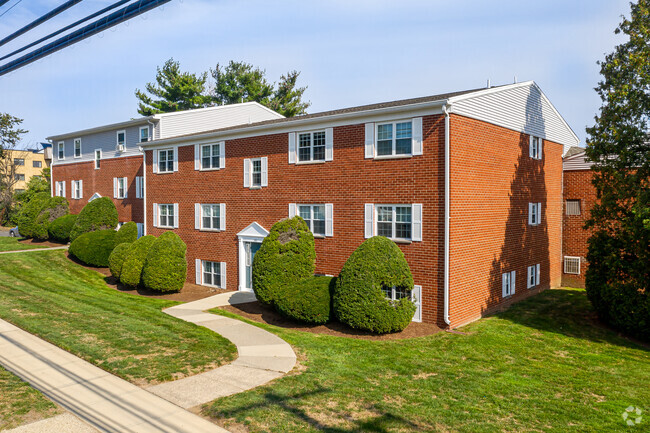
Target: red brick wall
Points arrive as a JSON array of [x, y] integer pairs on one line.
[[348, 182], [101, 181], [492, 181], [577, 186]]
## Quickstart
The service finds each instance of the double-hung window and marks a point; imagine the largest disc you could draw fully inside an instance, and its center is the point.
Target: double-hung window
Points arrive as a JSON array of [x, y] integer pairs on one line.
[[395, 293], [394, 138], [256, 172], [37, 164], [139, 187], [166, 161], [121, 140], [210, 273], [394, 222], [144, 134], [19, 161], [60, 189], [77, 147], [120, 187], [534, 214], [98, 158], [508, 280], [311, 146], [210, 154], [166, 215], [314, 216], [533, 276], [19, 176], [77, 189], [535, 147], [61, 150], [210, 216]]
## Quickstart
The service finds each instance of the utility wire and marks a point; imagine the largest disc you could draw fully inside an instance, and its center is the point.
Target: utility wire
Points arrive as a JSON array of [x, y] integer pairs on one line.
[[98, 26], [58, 32], [3, 2], [12, 6], [54, 12]]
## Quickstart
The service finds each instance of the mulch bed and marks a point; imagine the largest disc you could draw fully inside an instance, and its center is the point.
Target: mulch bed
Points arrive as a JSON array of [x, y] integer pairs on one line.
[[259, 313], [48, 244]]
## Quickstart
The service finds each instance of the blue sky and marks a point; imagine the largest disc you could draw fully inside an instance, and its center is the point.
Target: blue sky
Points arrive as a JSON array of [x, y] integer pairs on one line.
[[349, 53]]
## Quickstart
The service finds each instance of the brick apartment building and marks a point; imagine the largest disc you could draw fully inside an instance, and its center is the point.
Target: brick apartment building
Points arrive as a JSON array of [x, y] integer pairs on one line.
[[468, 184]]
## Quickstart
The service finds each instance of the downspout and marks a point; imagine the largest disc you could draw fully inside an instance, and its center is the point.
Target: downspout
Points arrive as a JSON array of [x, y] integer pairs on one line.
[[144, 179], [445, 111]]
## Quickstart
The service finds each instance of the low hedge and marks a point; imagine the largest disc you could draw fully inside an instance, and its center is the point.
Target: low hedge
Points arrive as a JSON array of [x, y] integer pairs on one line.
[[117, 258], [59, 229], [165, 267], [94, 248], [99, 214], [287, 255], [358, 299], [127, 233], [131, 272], [307, 301], [30, 211], [55, 207]]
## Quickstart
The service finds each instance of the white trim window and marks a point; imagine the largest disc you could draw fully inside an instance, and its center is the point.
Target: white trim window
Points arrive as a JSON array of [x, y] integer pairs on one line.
[[394, 293], [573, 207], [311, 146], [400, 138], [167, 215], [60, 188], [98, 158], [534, 214], [61, 150], [77, 147], [314, 216], [256, 172], [211, 217], [401, 222], [572, 265], [508, 280], [77, 189], [535, 147], [210, 156], [120, 138], [165, 160], [144, 134], [211, 274], [140, 227], [120, 187], [533, 276], [139, 187]]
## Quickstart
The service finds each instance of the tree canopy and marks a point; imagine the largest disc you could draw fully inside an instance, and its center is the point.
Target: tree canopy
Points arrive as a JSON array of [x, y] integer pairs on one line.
[[618, 278], [237, 82], [10, 136]]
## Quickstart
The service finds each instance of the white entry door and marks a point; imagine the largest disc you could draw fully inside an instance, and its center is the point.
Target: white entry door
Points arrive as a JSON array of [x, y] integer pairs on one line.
[[250, 241], [250, 248]]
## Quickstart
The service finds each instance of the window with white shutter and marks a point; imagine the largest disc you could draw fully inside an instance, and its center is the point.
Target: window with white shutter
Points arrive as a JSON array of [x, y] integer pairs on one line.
[[139, 187], [534, 214], [211, 273], [508, 280], [533, 276], [416, 298], [394, 139], [311, 146], [535, 147], [317, 216], [396, 222], [209, 156], [256, 173]]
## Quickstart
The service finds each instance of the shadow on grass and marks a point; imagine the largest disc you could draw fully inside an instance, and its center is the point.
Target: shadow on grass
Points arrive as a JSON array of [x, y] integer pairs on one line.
[[568, 312], [289, 404]]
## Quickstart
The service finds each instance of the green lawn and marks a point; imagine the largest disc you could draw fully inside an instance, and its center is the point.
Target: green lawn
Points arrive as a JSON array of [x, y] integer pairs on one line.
[[541, 366], [12, 244], [20, 403], [70, 306]]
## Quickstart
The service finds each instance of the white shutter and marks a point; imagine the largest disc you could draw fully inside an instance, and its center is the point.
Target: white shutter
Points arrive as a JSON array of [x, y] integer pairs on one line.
[[155, 214], [247, 173], [329, 144], [175, 215], [541, 145], [265, 171], [539, 213], [137, 187], [197, 157], [329, 219], [417, 136], [369, 220], [530, 214], [223, 275], [114, 187], [154, 167], [531, 151], [222, 154], [537, 269], [504, 284], [81, 189], [292, 148], [416, 233], [63, 188], [175, 158], [197, 216], [126, 188], [222, 216], [531, 270], [292, 210], [370, 140], [513, 280], [416, 298], [197, 270]]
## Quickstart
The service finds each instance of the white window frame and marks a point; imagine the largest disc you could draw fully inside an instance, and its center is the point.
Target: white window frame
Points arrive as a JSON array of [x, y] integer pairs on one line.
[[573, 209], [221, 208], [60, 188], [311, 146], [394, 220], [143, 128], [534, 214], [98, 164], [173, 161], [221, 274], [253, 161], [77, 189], [532, 278], [121, 183], [218, 156], [248, 172], [60, 150], [174, 215], [535, 147], [311, 218], [117, 139], [77, 144], [567, 264], [139, 187], [508, 280], [394, 139], [370, 221]]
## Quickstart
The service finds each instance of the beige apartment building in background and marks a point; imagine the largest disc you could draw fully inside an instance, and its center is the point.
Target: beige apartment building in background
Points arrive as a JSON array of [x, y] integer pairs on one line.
[[28, 163]]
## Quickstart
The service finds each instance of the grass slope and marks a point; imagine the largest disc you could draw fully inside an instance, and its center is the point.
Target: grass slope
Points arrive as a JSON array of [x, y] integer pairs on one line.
[[541, 366], [12, 244], [20, 403], [70, 306]]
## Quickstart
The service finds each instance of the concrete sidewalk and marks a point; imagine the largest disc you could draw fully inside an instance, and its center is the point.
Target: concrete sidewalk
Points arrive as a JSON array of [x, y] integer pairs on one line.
[[104, 401]]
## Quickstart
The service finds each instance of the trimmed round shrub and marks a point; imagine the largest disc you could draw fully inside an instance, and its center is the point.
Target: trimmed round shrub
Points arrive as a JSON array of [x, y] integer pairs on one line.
[[358, 299], [127, 233], [307, 301], [55, 207], [287, 255], [131, 272], [165, 267], [99, 214], [59, 229], [29, 213], [117, 257], [94, 248]]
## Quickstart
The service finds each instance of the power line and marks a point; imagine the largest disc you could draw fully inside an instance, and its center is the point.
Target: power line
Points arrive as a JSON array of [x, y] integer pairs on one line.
[[2, 2], [100, 25], [12, 6], [54, 12], [58, 32]]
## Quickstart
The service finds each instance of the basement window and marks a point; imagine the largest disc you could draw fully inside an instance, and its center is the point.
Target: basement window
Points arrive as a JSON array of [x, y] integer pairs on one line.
[[572, 265], [573, 207]]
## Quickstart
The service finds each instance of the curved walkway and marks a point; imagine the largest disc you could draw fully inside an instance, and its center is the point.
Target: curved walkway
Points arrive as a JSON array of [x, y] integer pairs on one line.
[[262, 356]]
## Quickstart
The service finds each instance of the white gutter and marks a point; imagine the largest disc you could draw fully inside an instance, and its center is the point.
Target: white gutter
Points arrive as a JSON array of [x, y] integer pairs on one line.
[[144, 189], [445, 110]]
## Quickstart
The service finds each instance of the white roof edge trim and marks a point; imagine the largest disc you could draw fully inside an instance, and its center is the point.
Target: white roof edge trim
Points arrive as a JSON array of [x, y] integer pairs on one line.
[[514, 86], [215, 108], [109, 127], [312, 120]]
